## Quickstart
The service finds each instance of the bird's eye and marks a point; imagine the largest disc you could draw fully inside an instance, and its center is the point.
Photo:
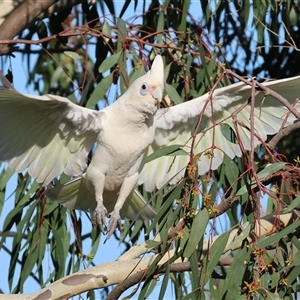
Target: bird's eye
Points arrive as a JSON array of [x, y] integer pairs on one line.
[[144, 89]]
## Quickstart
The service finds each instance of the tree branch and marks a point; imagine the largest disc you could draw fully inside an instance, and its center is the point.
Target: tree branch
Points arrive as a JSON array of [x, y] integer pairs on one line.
[[22, 17], [173, 268], [282, 133]]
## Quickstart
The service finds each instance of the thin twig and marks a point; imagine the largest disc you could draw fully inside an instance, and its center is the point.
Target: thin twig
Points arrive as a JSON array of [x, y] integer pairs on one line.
[[291, 44]]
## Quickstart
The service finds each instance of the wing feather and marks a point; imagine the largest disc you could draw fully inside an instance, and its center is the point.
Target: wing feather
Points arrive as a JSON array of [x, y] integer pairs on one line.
[[176, 125], [46, 134]]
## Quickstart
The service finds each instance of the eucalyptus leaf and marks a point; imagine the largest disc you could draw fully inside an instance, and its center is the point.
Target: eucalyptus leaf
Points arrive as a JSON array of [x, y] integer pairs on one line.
[[197, 232], [109, 62]]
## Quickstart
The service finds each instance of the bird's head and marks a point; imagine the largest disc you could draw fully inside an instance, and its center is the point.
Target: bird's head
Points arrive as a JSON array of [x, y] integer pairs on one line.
[[145, 93]]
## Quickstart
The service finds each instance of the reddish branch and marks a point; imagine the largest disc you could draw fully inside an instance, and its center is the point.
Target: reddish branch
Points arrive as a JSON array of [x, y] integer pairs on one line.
[[85, 30]]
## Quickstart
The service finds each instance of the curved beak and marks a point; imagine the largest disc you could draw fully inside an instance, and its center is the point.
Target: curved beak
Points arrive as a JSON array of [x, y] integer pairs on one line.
[[157, 95]]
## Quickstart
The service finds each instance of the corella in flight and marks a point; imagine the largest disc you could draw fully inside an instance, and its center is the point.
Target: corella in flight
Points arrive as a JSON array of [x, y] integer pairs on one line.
[[49, 135]]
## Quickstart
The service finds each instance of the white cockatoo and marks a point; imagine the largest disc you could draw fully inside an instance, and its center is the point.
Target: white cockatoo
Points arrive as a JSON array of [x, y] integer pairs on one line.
[[49, 135]]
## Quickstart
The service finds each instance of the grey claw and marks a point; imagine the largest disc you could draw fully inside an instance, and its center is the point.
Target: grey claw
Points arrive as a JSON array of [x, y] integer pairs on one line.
[[114, 222], [99, 218]]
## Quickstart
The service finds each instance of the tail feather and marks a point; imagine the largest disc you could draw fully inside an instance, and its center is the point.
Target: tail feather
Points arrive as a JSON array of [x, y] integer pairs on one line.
[[136, 207], [74, 194]]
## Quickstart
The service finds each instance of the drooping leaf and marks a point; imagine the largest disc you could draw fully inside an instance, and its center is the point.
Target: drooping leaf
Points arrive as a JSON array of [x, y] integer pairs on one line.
[[100, 91], [109, 62], [197, 232]]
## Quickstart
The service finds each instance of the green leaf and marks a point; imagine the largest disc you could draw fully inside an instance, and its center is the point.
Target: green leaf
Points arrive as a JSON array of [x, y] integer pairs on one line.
[[214, 290], [216, 251], [10, 219], [137, 73], [124, 8], [151, 287], [173, 94], [271, 296], [96, 236], [6, 174], [110, 6], [165, 210], [194, 276], [42, 32], [183, 23], [295, 203], [167, 71], [106, 29], [43, 242], [58, 253], [72, 54], [28, 264], [270, 169], [204, 65], [173, 150], [152, 244], [266, 241], [198, 228], [164, 284], [100, 90], [109, 62], [122, 33], [229, 170], [2, 197], [233, 282], [160, 27], [273, 168], [293, 275], [241, 236], [124, 79], [296, 243]]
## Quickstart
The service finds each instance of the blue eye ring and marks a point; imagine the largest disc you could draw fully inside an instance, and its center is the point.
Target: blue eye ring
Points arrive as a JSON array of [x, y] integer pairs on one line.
[[144, 89]]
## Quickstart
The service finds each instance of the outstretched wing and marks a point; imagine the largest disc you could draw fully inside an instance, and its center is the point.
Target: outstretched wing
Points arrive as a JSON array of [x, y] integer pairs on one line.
[[46, 134], [176, 125]]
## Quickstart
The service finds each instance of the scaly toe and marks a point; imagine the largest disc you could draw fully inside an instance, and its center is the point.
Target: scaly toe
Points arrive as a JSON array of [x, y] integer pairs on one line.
[[114, 222], [99, 218]]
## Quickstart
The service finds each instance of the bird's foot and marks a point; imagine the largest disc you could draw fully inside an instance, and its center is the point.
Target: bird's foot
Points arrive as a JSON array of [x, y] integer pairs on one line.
[[99, 218], [114, 222]]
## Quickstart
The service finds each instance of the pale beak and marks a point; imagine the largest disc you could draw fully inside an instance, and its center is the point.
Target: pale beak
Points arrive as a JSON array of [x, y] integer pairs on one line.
[[157, 95]]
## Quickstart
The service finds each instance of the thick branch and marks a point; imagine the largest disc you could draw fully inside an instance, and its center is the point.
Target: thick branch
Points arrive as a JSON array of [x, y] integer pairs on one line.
[[141, 276], [282, 133], [27, 13], [173, 268], [21, 18]]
